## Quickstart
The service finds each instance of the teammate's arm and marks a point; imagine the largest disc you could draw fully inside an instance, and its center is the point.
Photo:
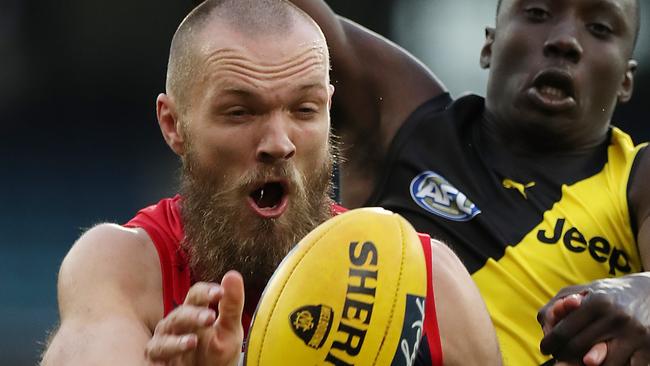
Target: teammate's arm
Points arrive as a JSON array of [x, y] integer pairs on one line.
[[105, 300], [375, 79], [378, 85], [467, 333], [640, 201]]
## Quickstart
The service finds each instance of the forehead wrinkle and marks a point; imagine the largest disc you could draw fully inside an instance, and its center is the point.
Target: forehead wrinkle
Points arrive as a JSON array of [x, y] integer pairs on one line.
[[231, 89], [233, 61], [244, 85], [253, 76]]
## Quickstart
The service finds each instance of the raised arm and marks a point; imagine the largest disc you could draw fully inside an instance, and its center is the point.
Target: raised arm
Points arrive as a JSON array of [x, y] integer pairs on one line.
[[378, 85], [109, 293], [467, 333], [640, 202]]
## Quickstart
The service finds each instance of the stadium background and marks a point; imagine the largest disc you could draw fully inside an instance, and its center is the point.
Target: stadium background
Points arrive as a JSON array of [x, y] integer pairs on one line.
[[79, 143]]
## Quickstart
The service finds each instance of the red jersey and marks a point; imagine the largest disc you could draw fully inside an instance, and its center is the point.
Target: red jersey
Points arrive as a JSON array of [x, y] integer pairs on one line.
[[164, 225]]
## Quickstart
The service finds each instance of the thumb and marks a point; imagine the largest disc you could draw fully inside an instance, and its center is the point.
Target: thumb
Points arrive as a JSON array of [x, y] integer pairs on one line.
[[596, 355], [565, 306], [231, 305], [559, 310]]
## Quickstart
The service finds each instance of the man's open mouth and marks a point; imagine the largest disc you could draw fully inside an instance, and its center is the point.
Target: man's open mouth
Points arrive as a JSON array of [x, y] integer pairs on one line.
[[269, 200], [553, 90]]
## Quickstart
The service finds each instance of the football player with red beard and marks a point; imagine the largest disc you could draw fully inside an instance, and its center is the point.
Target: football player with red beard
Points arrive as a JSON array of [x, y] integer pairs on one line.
[[246, 109]]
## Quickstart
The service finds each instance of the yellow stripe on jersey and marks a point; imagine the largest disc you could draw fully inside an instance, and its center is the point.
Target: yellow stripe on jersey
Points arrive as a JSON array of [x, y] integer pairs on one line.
[[583, 237]]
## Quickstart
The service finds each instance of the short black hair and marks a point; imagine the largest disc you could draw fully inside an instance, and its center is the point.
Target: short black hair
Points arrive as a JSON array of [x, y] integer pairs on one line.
[[638, 19]]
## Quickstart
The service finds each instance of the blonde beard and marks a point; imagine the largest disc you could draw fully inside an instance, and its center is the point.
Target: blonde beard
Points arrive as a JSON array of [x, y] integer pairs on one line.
[[222, 232]]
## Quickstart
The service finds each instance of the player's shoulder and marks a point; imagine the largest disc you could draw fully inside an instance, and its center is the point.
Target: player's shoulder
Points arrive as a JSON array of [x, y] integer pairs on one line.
[[113, 265], [444, 257], [108, 244], [450, 277]]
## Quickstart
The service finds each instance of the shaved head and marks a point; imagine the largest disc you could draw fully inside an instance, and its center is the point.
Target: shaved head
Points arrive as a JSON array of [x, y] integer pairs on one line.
[[250, 18], [247, 110]]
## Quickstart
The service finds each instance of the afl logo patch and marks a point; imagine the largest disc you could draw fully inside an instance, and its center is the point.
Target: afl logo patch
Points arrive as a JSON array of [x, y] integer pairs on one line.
[[433, 193]]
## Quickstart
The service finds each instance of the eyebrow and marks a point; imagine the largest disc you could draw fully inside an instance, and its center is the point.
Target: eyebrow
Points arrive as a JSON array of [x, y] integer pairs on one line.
[[310, 86], [235, 91], [609, 6], [248, 93], [244, 91], [616, 11]]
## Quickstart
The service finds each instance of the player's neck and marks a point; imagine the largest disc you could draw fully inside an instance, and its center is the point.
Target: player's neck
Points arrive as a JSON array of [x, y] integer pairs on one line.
[[517, 139]]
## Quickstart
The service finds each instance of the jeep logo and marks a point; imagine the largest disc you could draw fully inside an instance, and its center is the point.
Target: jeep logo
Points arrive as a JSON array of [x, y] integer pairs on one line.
[[598, 247]]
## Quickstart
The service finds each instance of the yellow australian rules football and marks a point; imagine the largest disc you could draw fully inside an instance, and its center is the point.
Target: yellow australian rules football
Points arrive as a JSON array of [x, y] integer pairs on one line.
[[352, 292]]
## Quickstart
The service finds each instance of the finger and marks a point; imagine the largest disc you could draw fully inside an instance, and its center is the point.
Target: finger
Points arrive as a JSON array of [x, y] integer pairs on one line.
[[231, 305], [596, 355], [590, 309], [186, 319], [165, 348], [577, 289], [640, 358], [544, 313], [560, 309], [565, 306], [549, 312], [619, 352], [564, 331], [203, 294]]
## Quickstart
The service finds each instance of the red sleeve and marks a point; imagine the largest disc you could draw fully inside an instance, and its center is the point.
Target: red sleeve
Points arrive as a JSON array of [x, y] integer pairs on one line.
[[163, 225], [431, 331], [337, 209]]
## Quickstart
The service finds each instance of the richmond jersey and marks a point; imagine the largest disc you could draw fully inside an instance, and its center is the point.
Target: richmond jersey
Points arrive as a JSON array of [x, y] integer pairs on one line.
[[524, 226]]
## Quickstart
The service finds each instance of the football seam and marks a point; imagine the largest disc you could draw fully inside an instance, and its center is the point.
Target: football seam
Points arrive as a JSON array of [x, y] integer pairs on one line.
[[399, 282], [284, 284]]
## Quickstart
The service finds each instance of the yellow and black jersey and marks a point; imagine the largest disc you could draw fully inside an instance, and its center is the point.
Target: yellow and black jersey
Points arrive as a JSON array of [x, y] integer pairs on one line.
[[524, 226]]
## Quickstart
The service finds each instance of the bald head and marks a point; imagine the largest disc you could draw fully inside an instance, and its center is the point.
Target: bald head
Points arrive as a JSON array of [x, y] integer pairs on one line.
[[252, 19]]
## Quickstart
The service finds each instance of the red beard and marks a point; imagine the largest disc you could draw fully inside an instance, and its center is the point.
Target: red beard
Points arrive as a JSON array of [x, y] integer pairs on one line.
[[223, 233]]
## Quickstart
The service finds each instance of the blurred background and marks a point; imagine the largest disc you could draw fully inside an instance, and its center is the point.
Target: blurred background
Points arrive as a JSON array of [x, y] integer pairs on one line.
[[79, 139]]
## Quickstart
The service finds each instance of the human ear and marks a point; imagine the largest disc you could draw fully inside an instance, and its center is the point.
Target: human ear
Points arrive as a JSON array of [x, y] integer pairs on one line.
[[627, 87], [486, 51], [330, 92], [169, 123]]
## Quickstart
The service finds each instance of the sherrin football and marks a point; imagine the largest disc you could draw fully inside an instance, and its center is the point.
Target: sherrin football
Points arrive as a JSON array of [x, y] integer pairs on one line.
[[351, 292]]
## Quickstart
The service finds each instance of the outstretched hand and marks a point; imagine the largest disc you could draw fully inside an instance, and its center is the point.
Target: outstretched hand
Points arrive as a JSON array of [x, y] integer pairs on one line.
[[559, 309], [603, 323], [193, 334]]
